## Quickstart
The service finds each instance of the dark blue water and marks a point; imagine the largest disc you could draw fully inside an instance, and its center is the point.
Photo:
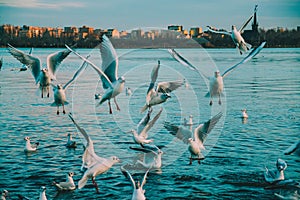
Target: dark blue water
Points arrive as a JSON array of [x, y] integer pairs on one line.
[[268, 87]]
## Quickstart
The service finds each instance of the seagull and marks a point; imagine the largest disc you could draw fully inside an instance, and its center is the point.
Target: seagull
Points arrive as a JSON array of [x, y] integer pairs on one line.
[[188, 122], [29, 147], [194, 140], [60, 90], [236, 36], [152, 157], [70, 143], [160, 93], [138, 191], [43, 193], [293, 148], [4, 194], [128, 91], [68, 185], [276, 174], [112, 84], [94, 164], [141, 134], [216, 82], [43, 76], [244, 113]]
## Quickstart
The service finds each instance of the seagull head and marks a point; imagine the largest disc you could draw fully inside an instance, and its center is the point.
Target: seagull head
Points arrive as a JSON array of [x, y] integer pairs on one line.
[[233, 27], [281, 164], [165, 96], [59, 86], [190, 140], [70, 174], [42, 189], [44, 70], [27, 138], [217, 73], [115, 159], [4, 193], [137, 185]]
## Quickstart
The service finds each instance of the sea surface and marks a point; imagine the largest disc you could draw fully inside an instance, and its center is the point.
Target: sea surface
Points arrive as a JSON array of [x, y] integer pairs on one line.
[[237, 151]]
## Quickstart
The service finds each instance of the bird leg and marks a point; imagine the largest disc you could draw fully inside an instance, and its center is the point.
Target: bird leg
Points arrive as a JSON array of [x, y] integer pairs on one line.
[[42, 89], [118, 108], [95, 184], [109, 105], [210, 102], [57, 112], [220, 99], [64, 111], [191, 160], [48, 91]]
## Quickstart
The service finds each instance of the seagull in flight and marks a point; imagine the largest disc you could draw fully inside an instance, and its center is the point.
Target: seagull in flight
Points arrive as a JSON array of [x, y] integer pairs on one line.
[[160, 93], [235, 36], [68, 184], [140, 136], [43, 76], [138, 191], [60, 91], [152, 157], [93, 164], [216, 84], [111, 83], [194, 140]]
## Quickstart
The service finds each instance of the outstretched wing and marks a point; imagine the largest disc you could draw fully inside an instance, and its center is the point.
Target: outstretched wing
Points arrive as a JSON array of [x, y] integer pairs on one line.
[[180, 132], [150, 124], [253, 53], [210, 29], [76, 74], [54, 60], [201, 132], [167, 87], [144, 179], [109, 61], [181, 59], [245, 24], [143, 122], [292, 148], [128, 176], [30, 61], [97, 69], [153, 77]]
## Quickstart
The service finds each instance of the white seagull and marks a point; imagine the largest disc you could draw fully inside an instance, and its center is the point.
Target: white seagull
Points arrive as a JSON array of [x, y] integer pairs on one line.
[[216, 85], [93, 164], [70, 142], [138, 191], [29, 147], [152, 157], [43, 76], [60, 91], [4, 194], [236, 36], [112, 84], [194, 140], [293, 148], [244, 113], [272, 176], [68, 184], [140, 136], [160, 93], [43, 193]]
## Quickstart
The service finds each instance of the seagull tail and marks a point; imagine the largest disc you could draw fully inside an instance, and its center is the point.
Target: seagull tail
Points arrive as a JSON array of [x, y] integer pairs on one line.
[[82, 182], [207, 94], [144, 108]]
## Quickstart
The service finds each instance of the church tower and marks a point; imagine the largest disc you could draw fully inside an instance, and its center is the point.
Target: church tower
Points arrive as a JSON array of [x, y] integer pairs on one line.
[[255, 24]]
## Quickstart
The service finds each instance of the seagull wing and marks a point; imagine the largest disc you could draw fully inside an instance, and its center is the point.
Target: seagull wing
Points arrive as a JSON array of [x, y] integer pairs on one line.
[[153, 77], [253, 53], [109, 61], [54, 60], [181, 59], [245, 24], [144, 179], [145, 150], [97, 69], [201, 132], [180, 132], [143, 122], [218, 32], [292, 148], [128, 176], [77, 73], [150, 124], [167, 87], [32, 62]]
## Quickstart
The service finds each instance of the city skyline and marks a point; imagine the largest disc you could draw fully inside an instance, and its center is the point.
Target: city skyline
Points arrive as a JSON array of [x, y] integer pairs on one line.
[[132, 14]]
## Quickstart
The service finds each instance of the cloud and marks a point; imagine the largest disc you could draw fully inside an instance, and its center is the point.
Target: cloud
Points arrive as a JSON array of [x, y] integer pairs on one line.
[[41, 4]]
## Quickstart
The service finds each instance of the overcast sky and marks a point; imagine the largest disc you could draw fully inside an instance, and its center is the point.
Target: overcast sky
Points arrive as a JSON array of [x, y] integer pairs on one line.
[[130, 14]]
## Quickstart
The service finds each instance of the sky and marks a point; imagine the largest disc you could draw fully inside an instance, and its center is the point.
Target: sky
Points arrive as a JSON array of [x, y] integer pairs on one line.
[[132, 14]]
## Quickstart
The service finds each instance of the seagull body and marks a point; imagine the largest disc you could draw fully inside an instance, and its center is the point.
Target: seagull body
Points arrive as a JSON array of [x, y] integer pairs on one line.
[[277, 174], [293, 148], [216, 84], [244, 114], [194, 140], [60, 91], [93, 164], [4, 194], [159, 94], [42, 76], [43, 193], [152, 157], [111, 83], [141, 134], [29, 147], [68, 184], [70, 143], [236, 36], [138, 191]]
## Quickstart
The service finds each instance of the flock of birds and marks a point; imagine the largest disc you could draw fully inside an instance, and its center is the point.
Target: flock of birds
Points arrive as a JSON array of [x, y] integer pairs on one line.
[[157, 93]]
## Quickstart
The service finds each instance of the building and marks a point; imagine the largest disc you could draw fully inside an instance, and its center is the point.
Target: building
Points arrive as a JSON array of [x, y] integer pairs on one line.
[[253, 36], [195, 32], [177, 28]]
